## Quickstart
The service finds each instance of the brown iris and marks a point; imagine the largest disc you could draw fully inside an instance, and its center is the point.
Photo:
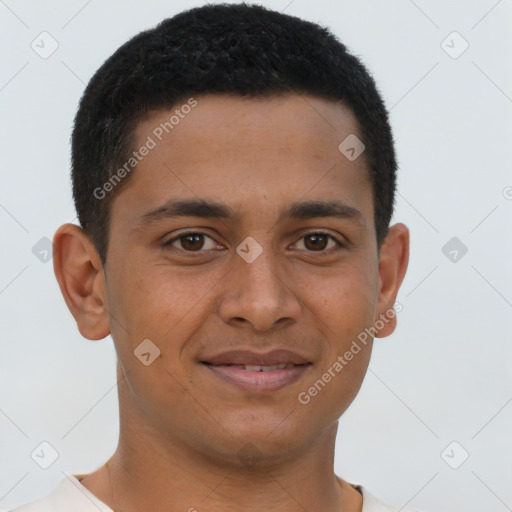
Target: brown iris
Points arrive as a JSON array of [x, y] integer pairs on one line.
[[196, 241], [319, 241]]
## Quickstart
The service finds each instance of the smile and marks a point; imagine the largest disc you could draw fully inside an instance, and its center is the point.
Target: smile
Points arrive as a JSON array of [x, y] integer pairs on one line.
[[261, 368], [258, 378]]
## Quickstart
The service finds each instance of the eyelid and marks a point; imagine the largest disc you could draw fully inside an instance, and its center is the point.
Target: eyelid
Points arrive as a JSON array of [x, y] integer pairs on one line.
[[340, 245], [185, 233]]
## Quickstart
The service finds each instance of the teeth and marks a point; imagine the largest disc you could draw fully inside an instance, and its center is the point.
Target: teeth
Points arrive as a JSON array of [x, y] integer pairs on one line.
[[259, 368]]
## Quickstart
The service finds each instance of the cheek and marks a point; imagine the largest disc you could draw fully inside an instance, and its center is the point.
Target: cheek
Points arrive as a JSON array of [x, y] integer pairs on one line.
[[347, 301], [158, 303], [346, 306]]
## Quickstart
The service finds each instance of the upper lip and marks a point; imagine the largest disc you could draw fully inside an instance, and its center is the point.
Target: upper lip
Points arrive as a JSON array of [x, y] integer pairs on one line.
[[248, 357]]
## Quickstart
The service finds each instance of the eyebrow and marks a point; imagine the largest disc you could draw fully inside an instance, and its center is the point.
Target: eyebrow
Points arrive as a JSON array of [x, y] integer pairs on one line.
[[214, 210]]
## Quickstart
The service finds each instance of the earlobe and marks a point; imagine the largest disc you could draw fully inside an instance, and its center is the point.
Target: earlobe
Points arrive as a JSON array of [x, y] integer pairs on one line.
[[394, 258], [80, 275]]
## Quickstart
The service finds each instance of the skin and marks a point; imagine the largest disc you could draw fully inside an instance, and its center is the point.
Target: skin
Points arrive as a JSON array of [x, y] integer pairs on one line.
[[183, 430]]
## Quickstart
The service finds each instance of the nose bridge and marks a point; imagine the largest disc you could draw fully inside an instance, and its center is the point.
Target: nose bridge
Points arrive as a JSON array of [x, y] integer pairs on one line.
[[257, 291], [258, 268], [260, 264]]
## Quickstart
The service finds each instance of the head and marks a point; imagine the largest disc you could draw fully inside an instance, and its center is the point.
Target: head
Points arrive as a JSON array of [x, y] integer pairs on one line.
[[239, 50], [223, 219]]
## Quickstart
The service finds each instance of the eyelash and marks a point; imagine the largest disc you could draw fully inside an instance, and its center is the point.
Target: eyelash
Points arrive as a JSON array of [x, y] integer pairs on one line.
[[338, 247]]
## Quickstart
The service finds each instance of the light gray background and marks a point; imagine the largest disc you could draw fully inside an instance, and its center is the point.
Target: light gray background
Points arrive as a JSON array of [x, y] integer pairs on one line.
[[443, 376]]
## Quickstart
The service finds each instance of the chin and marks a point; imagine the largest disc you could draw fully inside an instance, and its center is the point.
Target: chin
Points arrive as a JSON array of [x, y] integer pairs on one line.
[[255, 454], [260, 444]]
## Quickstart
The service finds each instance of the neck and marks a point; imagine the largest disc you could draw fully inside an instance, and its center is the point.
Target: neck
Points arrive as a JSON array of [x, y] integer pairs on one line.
[[137, 481], [153, 470]]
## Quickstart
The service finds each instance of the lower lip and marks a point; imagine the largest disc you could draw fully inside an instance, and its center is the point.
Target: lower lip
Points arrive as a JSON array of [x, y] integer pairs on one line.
[[258, 381]]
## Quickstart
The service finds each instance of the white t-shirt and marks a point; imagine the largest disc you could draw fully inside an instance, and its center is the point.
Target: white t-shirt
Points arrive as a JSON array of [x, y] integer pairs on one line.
[[71, 496]]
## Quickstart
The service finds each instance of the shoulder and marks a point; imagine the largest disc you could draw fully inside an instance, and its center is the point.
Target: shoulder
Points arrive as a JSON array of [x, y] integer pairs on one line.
[[69, 496], [45, 503], [373, 504]]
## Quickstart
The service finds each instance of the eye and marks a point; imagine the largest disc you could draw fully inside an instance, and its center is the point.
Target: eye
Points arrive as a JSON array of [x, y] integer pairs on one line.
[[318, 241], [191, 241]]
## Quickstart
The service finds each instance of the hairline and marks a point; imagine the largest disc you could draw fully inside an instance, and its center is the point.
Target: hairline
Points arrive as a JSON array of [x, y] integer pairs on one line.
[[135, 119]]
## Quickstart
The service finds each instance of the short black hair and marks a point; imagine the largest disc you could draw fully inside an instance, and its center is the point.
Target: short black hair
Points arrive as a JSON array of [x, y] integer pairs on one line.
[[240, 49]]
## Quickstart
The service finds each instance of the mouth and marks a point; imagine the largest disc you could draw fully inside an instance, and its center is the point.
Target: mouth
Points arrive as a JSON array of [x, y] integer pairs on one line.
[[254, 372]]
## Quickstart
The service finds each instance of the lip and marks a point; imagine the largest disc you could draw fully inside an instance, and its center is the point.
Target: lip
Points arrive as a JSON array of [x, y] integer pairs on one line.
[[228, 366], [249, 357]]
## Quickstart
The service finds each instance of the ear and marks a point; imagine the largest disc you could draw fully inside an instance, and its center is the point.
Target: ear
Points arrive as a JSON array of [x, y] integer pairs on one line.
[[81, 278], [393, 261]]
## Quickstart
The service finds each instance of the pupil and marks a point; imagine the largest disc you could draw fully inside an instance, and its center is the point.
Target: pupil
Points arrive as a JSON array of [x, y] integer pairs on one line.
[[196, 238], [317, 241]]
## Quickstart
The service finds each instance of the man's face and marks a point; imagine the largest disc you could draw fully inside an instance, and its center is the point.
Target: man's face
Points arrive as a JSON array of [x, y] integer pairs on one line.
[[239, 294]]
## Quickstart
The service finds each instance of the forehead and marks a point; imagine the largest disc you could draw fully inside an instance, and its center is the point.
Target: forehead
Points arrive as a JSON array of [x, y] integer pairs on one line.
[[244, 150], [288, 119]]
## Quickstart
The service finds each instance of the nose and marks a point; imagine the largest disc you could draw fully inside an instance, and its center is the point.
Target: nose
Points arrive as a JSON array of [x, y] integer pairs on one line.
[[259, 294]]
